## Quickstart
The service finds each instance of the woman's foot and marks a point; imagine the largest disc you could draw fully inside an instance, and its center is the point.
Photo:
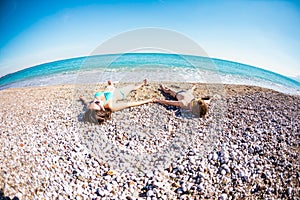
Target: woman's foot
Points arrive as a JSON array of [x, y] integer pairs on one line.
[[194, 86], [168, 91], [145, 82], [110, 86], [165, 90], [161, 87]]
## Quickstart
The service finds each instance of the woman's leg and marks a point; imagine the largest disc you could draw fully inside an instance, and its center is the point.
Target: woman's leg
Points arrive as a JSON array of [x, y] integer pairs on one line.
[[191, 90], [168, 91], [177, 95], [122, 93], [110, 87]]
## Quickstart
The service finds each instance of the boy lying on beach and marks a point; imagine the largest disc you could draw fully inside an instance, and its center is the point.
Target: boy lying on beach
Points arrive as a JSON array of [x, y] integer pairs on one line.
[[186, 100], [106, 102]]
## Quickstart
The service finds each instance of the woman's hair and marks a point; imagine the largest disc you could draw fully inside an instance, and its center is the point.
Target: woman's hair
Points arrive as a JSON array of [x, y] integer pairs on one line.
[[103, 115], [199, 108], [97, 116], [203, 108]]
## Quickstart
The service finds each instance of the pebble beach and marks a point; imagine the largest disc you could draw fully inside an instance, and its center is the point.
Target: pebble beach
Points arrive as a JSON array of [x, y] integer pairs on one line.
[[247, 147]]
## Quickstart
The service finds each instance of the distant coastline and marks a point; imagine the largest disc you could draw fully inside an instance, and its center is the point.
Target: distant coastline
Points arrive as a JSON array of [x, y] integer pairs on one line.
[[155, 66]]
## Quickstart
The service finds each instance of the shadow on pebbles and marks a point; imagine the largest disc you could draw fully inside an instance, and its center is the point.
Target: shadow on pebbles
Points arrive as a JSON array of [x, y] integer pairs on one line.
[[246, 148]]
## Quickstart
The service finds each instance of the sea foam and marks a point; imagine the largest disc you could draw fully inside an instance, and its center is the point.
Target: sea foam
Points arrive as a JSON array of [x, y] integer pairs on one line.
[[155, 67]]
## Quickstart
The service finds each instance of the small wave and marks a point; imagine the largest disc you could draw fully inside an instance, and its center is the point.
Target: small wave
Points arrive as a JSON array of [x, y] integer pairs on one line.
[[155, 67]]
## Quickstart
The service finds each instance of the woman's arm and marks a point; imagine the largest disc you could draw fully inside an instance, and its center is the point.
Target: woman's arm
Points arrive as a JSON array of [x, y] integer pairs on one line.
[[84, 101], [121, 106], [169, 103]]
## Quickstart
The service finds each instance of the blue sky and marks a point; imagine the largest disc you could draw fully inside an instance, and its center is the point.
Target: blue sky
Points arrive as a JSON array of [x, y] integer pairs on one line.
[[259, 33]]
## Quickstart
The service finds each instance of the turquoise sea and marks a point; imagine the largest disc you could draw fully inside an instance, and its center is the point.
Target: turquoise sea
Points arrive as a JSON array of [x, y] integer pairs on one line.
[[134, 67]]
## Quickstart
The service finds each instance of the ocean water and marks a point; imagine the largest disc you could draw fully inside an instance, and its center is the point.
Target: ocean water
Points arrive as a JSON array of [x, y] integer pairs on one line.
[[135, 67]]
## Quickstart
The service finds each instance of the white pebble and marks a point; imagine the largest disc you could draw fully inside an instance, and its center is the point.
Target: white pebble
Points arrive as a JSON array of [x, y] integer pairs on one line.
[[150, 193], [181, 168], [223, 172], [223, 196], [109, 187]]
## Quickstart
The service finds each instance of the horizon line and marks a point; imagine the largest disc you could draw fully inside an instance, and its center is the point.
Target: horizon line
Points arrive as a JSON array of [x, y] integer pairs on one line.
[[294, 78]]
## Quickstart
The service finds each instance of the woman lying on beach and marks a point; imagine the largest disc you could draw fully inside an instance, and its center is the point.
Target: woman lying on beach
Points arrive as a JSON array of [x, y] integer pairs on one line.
[[186, 100], [106, 102]]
